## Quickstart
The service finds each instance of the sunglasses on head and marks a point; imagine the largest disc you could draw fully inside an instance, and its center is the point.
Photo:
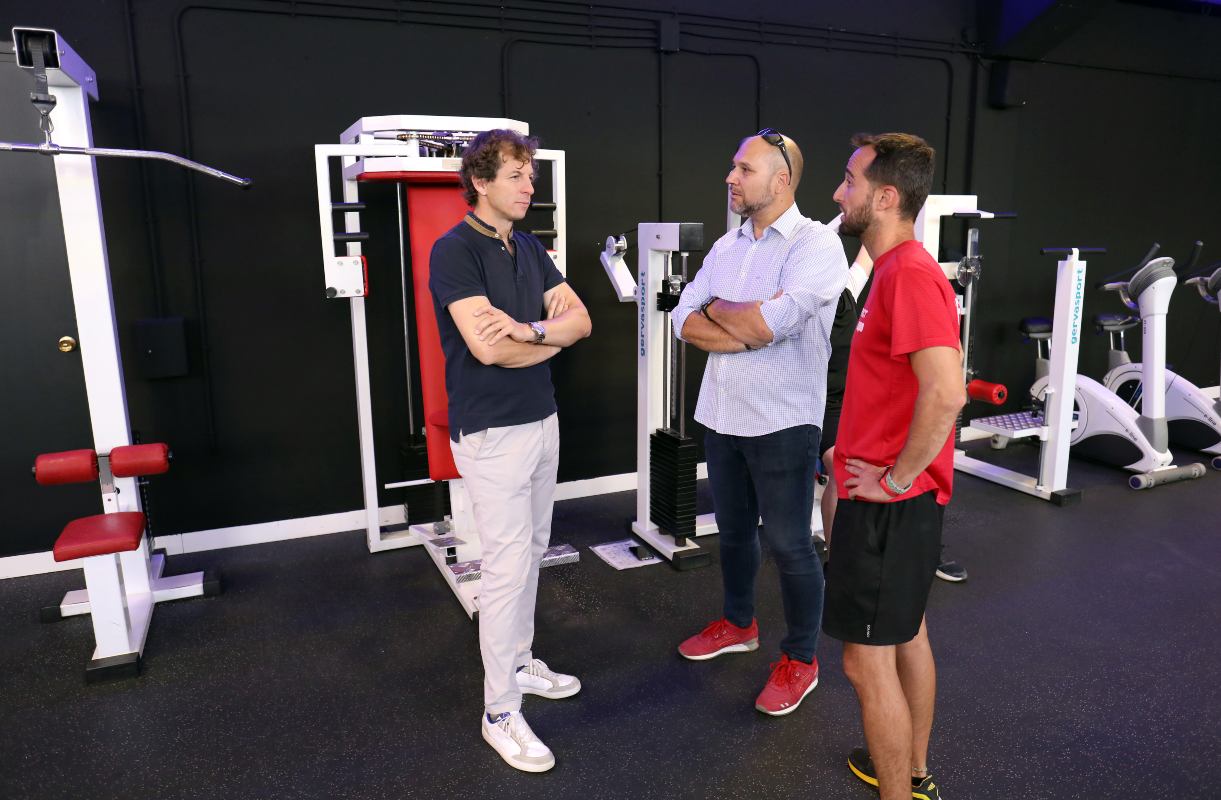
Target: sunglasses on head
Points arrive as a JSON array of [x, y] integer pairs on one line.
[[772, 136]]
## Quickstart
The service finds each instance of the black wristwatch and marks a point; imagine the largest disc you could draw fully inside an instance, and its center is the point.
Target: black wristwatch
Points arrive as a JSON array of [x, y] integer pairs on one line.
[[704, 308]]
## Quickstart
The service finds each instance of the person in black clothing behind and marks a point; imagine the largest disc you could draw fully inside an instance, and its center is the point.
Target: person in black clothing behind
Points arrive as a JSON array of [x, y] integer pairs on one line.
[[847, 313]]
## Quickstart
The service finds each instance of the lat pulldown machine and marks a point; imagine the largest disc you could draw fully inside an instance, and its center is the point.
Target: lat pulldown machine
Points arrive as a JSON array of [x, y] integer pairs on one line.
[[423, 155], [123, 585]]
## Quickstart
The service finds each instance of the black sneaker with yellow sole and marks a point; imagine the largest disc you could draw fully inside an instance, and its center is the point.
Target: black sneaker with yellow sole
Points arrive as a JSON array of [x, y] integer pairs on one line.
[[862, 767]]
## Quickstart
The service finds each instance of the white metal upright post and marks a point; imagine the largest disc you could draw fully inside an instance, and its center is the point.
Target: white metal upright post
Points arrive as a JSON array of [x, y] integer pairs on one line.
[[85, 242], [657, 240], [364, 390], [1061, 388]]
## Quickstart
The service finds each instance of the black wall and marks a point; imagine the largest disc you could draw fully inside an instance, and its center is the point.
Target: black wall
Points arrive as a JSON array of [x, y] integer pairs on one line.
[[1110, 148]]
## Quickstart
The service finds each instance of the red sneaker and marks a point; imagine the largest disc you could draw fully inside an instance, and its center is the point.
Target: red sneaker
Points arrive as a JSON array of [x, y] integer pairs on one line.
[[720, 637], [791, 681]]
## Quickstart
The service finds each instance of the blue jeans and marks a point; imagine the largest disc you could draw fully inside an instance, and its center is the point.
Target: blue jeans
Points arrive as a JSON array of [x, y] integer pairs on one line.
[[770, 476]]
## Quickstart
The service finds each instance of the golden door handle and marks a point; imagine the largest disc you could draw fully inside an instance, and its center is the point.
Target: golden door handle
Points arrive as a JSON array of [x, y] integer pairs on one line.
[[66, 344]]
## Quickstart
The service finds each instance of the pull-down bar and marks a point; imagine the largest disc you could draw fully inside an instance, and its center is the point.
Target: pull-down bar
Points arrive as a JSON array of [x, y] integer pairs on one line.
[[52, 149]]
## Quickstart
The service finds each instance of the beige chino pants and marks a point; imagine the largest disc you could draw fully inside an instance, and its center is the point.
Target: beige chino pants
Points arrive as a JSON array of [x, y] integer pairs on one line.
[[510, 475]]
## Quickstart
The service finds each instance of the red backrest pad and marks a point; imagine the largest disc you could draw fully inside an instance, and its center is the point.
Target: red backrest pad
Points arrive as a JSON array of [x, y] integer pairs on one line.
[[140, 459], [433, 207], [70, 466]]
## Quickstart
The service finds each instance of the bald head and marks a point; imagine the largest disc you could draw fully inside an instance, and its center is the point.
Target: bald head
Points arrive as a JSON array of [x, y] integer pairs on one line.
[[771, 155]]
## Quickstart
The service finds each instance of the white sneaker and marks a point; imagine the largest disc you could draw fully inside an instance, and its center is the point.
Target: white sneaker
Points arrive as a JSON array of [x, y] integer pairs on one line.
[[517, 744], [536, 678]]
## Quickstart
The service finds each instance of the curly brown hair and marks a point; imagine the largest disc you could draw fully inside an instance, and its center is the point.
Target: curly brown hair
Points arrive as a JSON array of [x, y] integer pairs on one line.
[[483, 157], [904, 161]]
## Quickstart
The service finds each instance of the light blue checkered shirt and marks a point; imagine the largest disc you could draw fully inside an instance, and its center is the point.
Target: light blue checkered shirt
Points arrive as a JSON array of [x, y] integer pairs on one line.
[[785, 383]]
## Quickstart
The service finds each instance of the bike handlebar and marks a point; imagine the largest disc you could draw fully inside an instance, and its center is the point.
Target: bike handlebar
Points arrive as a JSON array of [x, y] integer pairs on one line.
[[1195, 256], [1153, 251], [1047, 251]]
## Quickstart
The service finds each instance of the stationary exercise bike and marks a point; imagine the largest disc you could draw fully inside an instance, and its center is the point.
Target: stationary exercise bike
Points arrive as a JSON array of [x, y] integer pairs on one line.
[[1209, 286], [1192, 419], [1107, 428]]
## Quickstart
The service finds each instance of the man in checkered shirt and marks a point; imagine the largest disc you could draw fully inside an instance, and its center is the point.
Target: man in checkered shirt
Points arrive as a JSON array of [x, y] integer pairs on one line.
[[762, 306]]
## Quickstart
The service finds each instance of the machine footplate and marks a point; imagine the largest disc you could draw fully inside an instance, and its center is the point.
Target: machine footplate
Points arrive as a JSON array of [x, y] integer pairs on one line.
[[1017, 425], [555, 555]]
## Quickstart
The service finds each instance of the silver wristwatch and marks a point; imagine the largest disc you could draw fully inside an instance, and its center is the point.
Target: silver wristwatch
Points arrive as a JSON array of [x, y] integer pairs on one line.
[[540, 332]]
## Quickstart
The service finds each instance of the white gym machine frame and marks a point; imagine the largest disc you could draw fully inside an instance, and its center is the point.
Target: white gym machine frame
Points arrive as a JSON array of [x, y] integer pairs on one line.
[[390, 144], [1053, 430], [124, 597], [1209, 287], [1183, 402], [657, 242]]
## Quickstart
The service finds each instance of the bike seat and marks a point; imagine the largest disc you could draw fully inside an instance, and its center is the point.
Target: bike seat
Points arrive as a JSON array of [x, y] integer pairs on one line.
[[1035, 327], [1113, 323]]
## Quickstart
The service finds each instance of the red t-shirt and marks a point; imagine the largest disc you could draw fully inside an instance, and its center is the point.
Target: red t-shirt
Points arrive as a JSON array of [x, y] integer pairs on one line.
[[911, 307]]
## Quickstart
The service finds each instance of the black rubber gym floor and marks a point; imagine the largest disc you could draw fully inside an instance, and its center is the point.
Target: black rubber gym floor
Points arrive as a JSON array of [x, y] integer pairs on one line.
[[1078, 661]]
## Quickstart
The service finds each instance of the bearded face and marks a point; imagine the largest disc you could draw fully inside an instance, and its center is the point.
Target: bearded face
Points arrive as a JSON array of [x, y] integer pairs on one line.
[[857, 217], [748, 203]]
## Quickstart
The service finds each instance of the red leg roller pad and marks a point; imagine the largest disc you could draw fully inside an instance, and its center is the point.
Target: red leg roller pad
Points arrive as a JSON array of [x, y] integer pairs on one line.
[[140, 459], [994, 393], [70, 466]]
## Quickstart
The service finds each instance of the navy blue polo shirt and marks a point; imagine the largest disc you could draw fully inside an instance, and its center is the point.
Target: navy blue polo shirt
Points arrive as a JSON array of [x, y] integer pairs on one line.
[[472, 260]]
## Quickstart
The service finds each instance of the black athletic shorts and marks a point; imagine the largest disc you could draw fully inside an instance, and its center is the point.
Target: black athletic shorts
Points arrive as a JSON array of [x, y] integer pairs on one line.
[[883, 559]]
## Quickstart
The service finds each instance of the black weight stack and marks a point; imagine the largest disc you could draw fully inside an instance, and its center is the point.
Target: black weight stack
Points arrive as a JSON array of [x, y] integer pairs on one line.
[[672, 462]]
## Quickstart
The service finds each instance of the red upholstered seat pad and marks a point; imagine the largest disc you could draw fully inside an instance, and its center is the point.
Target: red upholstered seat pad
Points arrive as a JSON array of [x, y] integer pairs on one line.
[[99, 535]]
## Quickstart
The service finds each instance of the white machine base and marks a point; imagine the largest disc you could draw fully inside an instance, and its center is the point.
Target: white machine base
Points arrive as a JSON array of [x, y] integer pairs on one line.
[[1017, 425], [1012, 479], [463, 576], [174, 587], [139, 606], [683, 557]]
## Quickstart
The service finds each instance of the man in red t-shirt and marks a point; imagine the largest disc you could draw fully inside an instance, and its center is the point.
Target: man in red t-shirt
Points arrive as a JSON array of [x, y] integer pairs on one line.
[[894, 464]]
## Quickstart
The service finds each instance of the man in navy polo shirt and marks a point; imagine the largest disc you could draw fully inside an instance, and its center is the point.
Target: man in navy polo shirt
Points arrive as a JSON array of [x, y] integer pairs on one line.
[[503, 310]]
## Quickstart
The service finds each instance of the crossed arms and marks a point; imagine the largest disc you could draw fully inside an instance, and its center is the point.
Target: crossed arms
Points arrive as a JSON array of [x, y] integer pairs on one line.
[[812, 276], [729, 327], [496, 339]]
